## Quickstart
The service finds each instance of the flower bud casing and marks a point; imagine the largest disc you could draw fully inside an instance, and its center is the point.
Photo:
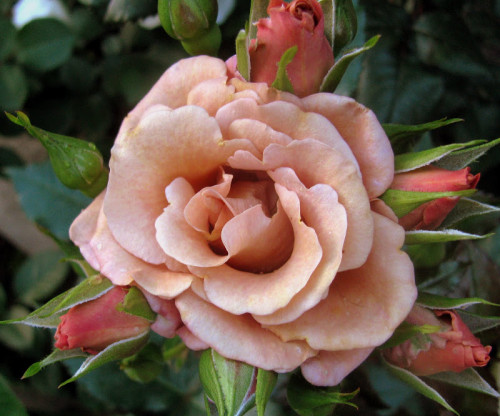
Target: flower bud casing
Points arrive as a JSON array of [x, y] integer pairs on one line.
[[430, 215], [96, 324]]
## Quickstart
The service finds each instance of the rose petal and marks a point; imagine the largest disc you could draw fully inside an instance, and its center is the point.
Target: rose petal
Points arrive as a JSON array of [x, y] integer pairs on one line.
[[320, 210], [364, 306], [187, 143], [174, 85], [84, 227], [314, 163], [240, 292], [211, 94], [330, 368], [363, 133], [240, 337], [179, 239], [191, 340]]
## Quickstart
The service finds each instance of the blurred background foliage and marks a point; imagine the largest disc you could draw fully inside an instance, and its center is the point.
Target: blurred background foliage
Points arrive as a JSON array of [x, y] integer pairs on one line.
[[80, 69]]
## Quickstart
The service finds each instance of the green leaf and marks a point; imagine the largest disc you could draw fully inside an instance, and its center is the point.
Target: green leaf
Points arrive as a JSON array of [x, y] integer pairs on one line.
[[227, 383], [145, 366], [13, 87], [403, 202], [419, 385], [424, 237], [466, 208], [432, 301], [55, 356], [398, 133], [463, 158], [282, 82], [45, 44], [9, 403], [405, 331], [309, 400], [478, 323], [136, 304], [45, 199], [39, 276], [48, 315], [266, 380], [414, 160], [125, 10], [77, 163], [258, 10], [468, 379], [8, 37], [337, 71], [243, 55], [116, 351]]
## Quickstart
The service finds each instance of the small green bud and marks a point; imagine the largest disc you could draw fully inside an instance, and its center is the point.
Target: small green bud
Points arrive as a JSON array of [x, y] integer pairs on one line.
[[187, 19], [206, 44], [77, 163], [346, 24]]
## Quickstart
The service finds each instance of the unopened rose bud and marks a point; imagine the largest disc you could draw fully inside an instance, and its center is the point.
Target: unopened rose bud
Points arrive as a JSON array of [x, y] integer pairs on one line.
[[430, 215], [299, 23], [193, 23], [453, 348], [94, 325]]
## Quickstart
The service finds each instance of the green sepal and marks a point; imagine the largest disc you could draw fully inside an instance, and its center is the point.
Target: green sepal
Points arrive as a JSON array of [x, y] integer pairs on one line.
[[426, 255], [258, 10], [134, 303], [266, 381], [432, 301], [328, 7], [466, 208], [346, 24], [419, 385], [403, 202], [243, 55], [426, 237], [478, 323], [398, 133], [228, 383], [468, 379], [47, 316], [173, 348], [116, 351], [208, 43], [309, 400], [282, 82], [405, 331], [55, 356], [77, 163], [337, 71], [410, 161], [463, 158]]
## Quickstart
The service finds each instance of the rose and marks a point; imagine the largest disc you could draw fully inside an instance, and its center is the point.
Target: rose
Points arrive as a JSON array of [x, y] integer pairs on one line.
[[95, 324], [453, 348], [299, 23], [251, 209], [430, 215]]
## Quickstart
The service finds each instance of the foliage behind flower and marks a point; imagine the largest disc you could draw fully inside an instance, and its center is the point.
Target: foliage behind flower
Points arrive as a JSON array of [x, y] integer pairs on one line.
[[251, 208]]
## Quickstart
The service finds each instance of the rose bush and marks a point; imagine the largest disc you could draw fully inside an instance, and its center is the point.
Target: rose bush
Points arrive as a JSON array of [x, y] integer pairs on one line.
[[251, 209]]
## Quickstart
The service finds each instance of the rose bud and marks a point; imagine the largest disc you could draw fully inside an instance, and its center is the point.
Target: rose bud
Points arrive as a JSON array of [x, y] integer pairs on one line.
[[300, 23], [96, 324], [430, 215], [453, 348]]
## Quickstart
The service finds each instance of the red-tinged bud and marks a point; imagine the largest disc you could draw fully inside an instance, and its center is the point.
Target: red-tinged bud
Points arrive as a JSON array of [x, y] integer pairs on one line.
[[94, 325], [430, 215], [453, 348], [299, 23]]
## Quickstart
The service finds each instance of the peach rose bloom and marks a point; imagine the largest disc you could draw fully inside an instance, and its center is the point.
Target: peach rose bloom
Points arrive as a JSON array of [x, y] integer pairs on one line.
[[250, 209]]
